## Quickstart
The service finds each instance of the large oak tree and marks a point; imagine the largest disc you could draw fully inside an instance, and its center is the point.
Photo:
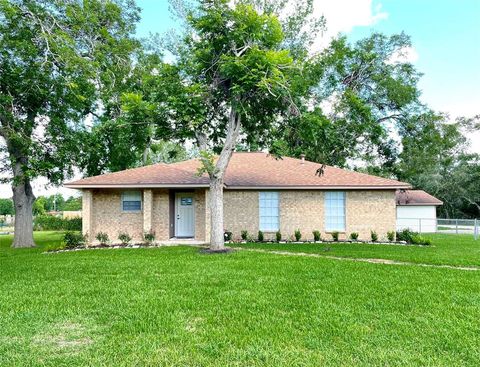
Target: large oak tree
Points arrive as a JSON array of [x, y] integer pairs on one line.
[[58, 59]]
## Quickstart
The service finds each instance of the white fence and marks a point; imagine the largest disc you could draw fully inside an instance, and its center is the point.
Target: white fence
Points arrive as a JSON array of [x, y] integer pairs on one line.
[[449, 226]]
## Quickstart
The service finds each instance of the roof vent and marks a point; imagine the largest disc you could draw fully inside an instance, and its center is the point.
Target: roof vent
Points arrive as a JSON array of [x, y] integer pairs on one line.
[[302, 157]]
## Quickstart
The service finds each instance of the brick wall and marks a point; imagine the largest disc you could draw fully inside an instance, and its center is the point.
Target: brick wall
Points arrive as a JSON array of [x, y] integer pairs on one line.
[[371, 210], [366, 210], [200, 214], [160, 216], [107, 216], [299, 209], [240, 211]]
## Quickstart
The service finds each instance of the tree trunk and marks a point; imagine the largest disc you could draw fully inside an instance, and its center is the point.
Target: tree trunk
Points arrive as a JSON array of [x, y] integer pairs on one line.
[[23, 199], [217, 241]]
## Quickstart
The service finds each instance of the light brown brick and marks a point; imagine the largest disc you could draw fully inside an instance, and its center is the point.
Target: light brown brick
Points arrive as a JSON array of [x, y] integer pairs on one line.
[[366, 210]]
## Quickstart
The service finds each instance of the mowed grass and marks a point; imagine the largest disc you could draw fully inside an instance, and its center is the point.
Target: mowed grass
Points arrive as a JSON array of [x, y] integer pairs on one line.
[[446, 249], [173, 306]]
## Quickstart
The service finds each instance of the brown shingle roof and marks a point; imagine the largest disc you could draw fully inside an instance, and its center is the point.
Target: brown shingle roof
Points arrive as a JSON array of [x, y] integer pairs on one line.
[[246, 170], [415, 197]]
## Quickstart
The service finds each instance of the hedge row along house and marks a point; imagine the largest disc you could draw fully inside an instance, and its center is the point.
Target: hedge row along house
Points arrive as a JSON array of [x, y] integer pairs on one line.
[[260, 193]]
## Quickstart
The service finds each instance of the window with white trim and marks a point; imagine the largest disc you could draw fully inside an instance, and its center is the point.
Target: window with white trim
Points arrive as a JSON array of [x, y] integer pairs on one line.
[[131, 201], [268, 211], [335, 211]]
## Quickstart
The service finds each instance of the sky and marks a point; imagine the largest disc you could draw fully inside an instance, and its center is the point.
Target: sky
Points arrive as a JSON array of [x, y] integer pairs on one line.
[[445, 36]]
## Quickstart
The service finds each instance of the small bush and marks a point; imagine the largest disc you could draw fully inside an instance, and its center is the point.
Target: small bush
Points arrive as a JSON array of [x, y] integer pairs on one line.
[[316, 235], [149, 237], [278, 236], [124, 238], [298, 235], [354, 236], [102, 237], [335, 235], [406, 235], [244, 235], [374, 236], [391, 236], [413, 238], [261, 237], [422, 241], [227, 235], [73, 239]]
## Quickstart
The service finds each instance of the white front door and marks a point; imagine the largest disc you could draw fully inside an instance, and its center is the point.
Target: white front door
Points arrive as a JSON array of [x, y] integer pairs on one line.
[[184, 215]]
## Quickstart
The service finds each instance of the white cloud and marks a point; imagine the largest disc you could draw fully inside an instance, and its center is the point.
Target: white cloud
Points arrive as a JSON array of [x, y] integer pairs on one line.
[[343, 15]]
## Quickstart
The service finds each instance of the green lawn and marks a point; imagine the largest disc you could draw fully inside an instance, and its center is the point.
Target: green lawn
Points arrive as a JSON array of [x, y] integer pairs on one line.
[[173, 306], [447, 249]]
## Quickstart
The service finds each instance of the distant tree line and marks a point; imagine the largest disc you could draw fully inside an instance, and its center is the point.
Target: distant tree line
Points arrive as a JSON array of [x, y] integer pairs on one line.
[[45, 204]]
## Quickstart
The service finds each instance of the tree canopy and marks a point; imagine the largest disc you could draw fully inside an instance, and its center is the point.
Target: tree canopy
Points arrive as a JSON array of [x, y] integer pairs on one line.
[[59, 60], [238, 72], [6, 207]]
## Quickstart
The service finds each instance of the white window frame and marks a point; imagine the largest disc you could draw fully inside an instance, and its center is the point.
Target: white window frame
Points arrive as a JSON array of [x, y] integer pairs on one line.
[[130, 194], [269, 211], [335, 211]]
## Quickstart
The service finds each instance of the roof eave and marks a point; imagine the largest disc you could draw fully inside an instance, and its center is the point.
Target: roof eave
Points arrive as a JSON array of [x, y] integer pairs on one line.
[[133, 186], [421, 204], [317, 187]]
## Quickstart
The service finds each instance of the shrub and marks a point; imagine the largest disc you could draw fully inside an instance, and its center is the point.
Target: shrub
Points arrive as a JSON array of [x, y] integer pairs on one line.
[[374, 236], [124, 238], [227, 235], [419, 240], [413, 238], [335, 235], [354, 236], [53, 223], [406, 235], [149, 237], [260, 236], [73, 239], [298, 235], [278, 236], [102, 237], [391, 236], [244, 235], [316, 236]]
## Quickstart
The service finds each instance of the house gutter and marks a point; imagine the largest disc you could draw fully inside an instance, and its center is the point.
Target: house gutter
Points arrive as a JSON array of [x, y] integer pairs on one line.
[[175, 186], [134, 186], [343, 187]]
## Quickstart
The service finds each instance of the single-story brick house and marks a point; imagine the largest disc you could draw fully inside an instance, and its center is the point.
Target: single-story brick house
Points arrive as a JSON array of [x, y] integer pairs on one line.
[[260, 193]]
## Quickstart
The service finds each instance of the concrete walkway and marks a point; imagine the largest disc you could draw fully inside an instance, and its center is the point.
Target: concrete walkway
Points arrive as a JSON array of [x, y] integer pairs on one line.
[[373, 261]]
